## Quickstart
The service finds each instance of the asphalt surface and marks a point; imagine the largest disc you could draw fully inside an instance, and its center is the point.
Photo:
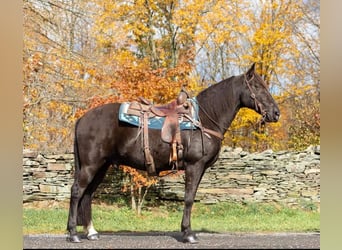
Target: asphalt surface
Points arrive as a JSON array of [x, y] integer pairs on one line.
[[169, 240]]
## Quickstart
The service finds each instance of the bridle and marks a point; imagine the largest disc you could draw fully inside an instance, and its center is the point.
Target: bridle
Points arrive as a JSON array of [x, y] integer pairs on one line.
[[258, 105]]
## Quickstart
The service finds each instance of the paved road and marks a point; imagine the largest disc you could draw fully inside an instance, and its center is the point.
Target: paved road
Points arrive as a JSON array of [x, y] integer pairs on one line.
[[170, 240]]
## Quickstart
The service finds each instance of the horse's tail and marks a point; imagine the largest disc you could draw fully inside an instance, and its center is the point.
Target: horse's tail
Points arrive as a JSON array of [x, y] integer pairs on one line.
[[76, 152], [81, 218], [82, 214]]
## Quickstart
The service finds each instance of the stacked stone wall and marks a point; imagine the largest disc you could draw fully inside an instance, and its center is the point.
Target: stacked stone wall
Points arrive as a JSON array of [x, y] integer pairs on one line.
[[287, 177]]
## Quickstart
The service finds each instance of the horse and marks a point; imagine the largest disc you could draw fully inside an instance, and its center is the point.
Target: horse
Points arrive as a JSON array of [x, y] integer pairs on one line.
[[101, 140]]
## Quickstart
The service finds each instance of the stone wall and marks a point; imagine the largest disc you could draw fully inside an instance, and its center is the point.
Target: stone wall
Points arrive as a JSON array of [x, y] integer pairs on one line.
[[288, 177]]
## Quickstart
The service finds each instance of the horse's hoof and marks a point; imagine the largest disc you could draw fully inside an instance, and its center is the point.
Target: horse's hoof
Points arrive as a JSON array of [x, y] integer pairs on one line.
[[192, 239], [74, 239], [93, 237]]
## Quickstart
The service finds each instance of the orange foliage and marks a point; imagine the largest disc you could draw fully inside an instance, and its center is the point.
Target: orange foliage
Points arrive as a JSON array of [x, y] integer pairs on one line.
[[159, 85], [139, 178]]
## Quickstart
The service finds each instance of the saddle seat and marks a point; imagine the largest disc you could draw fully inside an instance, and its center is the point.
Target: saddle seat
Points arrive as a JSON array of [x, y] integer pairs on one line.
[[170, 131]]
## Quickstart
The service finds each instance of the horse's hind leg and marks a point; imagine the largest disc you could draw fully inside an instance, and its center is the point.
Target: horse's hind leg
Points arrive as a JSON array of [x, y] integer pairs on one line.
[[77, 191], [80, 201], [84, 210]]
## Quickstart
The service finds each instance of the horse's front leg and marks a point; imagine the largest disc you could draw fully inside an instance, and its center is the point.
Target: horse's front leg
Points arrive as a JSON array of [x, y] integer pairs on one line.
[[193, 176]]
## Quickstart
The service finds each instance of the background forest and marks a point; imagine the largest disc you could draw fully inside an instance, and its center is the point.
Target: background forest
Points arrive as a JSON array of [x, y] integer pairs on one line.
[[79, 54]]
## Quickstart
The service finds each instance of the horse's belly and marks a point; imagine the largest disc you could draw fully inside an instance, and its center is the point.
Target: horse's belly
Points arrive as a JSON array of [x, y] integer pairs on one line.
[[132, 152]]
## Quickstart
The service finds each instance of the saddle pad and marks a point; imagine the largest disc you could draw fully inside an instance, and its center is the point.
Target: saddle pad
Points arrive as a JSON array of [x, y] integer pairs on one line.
[[157, 122]]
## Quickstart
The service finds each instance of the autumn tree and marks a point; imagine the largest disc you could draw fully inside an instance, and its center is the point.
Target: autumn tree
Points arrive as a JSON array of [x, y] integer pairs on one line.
[[137, 183], [56, 70], [79, 54], [277, 47], [302, 98]]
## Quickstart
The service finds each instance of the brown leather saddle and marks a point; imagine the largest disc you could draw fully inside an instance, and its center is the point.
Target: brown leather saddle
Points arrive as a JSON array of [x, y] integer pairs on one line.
[[170, 132]]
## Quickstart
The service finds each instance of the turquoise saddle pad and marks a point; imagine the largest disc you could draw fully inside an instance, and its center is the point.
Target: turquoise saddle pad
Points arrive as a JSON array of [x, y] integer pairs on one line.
[[157, 122]]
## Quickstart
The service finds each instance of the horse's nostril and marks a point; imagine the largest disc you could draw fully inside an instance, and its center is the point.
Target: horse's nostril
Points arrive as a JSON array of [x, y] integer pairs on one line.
[[277, 115]]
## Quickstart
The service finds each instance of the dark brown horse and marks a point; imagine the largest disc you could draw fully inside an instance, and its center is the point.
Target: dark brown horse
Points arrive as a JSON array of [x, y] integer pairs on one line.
[[102, 140]]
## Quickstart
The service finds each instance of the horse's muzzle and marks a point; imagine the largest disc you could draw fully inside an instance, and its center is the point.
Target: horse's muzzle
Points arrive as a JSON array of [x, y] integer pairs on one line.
[[272, 116]]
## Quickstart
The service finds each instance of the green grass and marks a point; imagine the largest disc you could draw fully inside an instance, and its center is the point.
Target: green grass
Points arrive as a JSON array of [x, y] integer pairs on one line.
[[221, 217]]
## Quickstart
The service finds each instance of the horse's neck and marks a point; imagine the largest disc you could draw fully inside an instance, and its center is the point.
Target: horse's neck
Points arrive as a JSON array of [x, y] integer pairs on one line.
[[219, 105]]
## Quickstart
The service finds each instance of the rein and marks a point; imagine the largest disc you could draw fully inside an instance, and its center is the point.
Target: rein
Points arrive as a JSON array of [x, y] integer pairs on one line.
[[206, 130], [258, 107]]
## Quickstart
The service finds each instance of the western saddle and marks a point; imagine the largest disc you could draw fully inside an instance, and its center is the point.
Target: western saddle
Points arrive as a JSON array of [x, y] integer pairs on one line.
[[170, 132]]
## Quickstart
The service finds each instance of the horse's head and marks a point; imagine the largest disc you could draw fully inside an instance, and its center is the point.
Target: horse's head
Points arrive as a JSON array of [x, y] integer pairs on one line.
[[257, 96]]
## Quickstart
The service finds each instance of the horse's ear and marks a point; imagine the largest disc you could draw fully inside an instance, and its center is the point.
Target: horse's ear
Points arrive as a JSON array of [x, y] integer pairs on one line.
[[251, 71]]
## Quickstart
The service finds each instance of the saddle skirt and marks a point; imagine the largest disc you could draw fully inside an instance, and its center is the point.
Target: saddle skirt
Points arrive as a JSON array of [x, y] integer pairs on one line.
[[155, 121]]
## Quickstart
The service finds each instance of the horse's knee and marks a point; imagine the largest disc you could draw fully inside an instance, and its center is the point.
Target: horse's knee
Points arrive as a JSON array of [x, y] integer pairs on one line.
[[78, 188], [188, 201], [75, 191]]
